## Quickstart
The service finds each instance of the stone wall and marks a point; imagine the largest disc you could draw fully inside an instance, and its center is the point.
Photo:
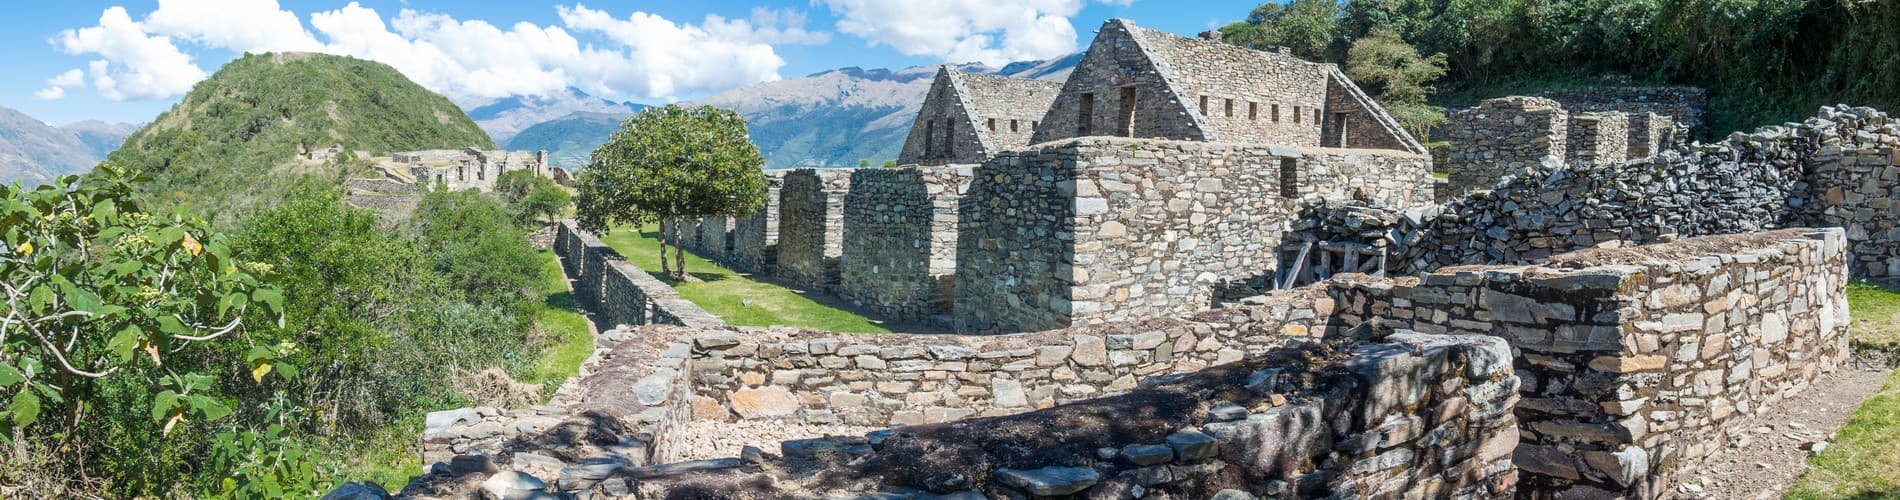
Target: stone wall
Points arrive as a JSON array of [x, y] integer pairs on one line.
[[1639, 363], [945, 130], [900, 240], [811, 226], [1597, 139], [618, 292], [1103, 229], [715, 236], [755, 237], [1855, 184], [1092, 98], [1651, 134], [1683, 105], [1499, 137], [912, 379]]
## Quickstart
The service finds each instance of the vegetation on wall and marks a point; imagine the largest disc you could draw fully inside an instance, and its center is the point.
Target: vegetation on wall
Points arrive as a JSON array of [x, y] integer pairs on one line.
[[1764, 61], [230, 144]]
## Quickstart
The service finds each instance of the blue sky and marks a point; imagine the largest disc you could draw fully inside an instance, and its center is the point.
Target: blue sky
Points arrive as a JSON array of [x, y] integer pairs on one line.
[[127, 61]]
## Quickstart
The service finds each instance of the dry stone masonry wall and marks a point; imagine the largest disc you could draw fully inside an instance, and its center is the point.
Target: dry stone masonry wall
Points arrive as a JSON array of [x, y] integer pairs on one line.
[[1682, 105], [811, 226], [1103, 229], [1597, 138], [755, 238], [1502, 136], [900, 240], [618, 292]]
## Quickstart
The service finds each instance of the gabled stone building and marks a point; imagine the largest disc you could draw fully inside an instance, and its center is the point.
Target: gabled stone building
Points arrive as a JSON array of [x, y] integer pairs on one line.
[[970, 117], [1141, 83]]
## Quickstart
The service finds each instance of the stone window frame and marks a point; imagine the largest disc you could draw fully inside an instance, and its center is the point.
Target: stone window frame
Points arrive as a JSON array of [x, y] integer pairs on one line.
[[1012, 125], [1296, 113], [1253, 111], [1276, 113], [1230, 108], [1085, 119], [991, 123], [1203, 105], [1316, 118], [1126, 102], [930, 138]]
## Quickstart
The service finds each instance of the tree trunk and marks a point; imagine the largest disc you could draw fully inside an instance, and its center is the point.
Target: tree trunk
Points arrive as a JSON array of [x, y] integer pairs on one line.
[[666, 236], [679, 261]]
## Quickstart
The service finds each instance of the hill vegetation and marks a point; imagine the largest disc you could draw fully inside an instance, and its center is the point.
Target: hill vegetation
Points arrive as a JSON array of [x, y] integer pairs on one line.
[[1764, 61], [569, 139], [229, 145]]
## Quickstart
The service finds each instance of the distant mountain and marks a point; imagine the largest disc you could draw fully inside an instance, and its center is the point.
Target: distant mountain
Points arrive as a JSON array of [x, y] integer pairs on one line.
[[569, 140], [839, 117], [230, 145], [34, 153], [832, 118], [504, 118]]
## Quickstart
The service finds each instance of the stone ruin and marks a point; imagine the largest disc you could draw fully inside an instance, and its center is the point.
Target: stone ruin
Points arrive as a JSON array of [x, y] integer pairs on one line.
[[1507, 134], [969, 117], [403, 176], [1229, 319]]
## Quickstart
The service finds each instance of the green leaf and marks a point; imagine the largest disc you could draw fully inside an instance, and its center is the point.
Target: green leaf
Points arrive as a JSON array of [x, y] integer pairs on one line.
[[270, 297], [171, 325], [10, 375], [163, 404], [210, 408], [84, 300], [124, 342], [26, 408]]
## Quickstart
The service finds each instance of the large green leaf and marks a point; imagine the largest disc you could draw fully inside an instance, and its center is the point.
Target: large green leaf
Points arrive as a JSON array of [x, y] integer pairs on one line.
[[10, 375], [26, 408]]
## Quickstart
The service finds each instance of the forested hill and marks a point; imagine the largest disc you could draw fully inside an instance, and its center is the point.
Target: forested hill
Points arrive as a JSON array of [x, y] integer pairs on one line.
[[1764, 61], [227, 146]]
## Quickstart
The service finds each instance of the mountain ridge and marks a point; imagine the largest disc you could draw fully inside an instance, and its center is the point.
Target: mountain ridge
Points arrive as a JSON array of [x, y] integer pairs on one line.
[[33, 152]]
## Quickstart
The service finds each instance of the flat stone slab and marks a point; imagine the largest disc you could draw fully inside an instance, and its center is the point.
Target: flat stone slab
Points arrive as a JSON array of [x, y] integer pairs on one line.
[[1049, 481]]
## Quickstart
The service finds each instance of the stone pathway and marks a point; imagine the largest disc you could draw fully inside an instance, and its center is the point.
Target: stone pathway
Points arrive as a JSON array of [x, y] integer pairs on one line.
[[707, 439], [1772, 455]]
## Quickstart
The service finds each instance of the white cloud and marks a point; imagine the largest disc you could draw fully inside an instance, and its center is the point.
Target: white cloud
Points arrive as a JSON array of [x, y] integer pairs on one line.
[[56, 86], [640, 55], [132, 64], [990, 31]]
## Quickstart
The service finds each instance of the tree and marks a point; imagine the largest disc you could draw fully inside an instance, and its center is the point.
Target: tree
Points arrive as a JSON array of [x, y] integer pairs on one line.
[[545, 202], [514, 185], [672, 162], [1398, 76], [98, 289], [1307, 27]]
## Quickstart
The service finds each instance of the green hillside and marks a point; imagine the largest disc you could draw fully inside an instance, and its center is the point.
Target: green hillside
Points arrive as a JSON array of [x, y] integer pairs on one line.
[[569, 140], [228, 146]]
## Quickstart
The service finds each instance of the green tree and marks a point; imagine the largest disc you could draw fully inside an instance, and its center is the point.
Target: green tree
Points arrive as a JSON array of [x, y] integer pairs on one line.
[[514, 185], [1399, 78], [101, 293], [1308, 27], [672, 162], [545, 202]]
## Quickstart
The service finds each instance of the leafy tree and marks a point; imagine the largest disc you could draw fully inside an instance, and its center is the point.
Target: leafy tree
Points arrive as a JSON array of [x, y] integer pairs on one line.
[[864, 163], [514, 185], [1395, 72], [472, 243], [672, 162], [890, 163], [99, 290], [544, 203], [1308, 27]]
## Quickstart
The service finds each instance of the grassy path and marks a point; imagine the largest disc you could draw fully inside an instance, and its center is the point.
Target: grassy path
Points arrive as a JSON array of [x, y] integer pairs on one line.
[[737, 299], [1863, 461]]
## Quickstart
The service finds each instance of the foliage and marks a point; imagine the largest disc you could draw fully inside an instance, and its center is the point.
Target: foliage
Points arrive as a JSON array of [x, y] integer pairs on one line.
[[1306, 26], [97, 287], [514, 185], [671, 162], [1764, 61], [228, 146], [273, 463], [1399, 76], [472, 243], [546, 202]]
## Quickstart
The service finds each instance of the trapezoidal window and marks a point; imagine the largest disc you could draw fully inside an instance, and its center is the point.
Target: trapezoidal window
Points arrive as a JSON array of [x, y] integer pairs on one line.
[[1012, 126], [1253, 111], [1339, 124], [930, 138], [1276, 113], [1125, 117], [1085, 116], [1296, 114], [949, 138], [1203, 105], [1289, 178], [1230, 108], [1315, 115], [992, 124]]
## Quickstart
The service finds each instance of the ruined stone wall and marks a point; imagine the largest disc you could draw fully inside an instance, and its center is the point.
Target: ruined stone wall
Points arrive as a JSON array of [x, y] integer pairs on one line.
[[1105, 229], [1241, 88], [1008, 109], [945, 130], [755, 237], [1596, 138], [1651, 133], [1502, 136], [900, 240], [619, 292], [811, 226], [912, 379], [715, 237], [1639, 363], [1364, 125], [1856, 186], [1683, 105]]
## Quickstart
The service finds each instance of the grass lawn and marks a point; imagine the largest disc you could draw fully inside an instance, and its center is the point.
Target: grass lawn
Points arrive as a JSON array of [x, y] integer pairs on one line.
[[1864, 459], [722, 292]]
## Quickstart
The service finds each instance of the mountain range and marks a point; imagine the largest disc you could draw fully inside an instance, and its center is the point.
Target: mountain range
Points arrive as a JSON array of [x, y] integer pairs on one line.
[[33, 152], [832, 118], [506, 117]]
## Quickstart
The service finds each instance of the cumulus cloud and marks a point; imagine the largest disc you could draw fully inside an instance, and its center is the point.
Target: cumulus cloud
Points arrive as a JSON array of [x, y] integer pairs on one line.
[[994, 32], [639, 55], [56, 86]]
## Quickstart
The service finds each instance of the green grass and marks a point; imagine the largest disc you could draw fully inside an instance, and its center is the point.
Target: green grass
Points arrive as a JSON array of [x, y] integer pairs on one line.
[[562, 327], [1864, 459], [722, 291]]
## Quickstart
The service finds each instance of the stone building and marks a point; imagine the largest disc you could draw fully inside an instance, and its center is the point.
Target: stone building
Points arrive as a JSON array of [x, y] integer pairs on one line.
[[1501, 136], [811, 226], [471, 168], [1597, 138], [900, 240], [969, 117], [1141, 83], [755, 237], [1681, 105]]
